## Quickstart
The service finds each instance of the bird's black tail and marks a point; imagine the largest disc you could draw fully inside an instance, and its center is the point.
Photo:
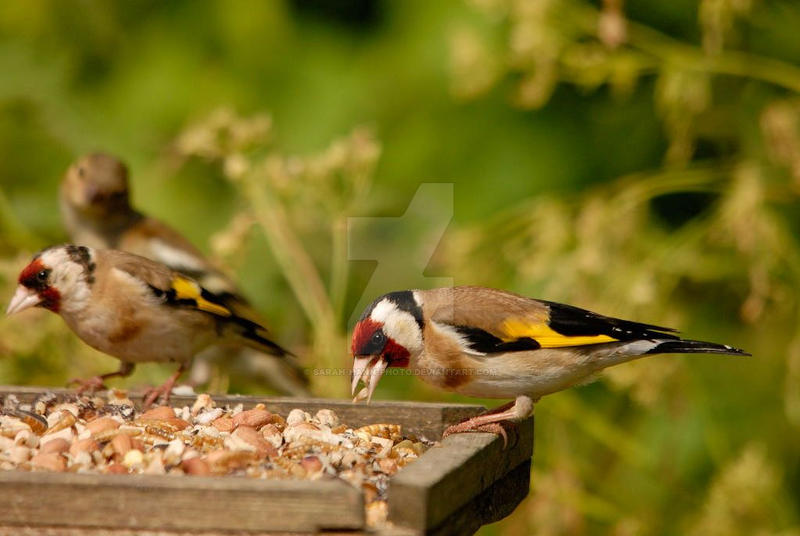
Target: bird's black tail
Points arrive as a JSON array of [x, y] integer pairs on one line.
[[255, 336], [291, 367], [686, 346]]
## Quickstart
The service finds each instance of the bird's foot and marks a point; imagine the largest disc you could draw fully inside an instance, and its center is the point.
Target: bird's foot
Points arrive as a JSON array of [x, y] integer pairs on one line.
[[496, 421], [95, 383], [165, 390], [153, 394], [470, 425]]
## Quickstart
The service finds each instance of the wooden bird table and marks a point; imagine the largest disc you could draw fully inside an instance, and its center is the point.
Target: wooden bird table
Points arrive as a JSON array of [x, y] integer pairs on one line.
[[468, 481]]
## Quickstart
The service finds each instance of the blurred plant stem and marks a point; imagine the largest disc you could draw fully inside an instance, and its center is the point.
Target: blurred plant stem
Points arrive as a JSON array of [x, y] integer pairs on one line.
[[677, 53], [727, 62], [339, 265], [297, 266], [301, 204], [302, 276]]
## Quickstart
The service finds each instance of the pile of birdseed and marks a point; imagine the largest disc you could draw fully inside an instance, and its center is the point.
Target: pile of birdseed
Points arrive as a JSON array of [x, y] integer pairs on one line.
[[93, 434]]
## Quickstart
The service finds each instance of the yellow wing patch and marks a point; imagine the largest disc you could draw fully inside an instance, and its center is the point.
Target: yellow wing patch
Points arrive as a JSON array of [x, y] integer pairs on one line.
[[546, 337], [186, 289]]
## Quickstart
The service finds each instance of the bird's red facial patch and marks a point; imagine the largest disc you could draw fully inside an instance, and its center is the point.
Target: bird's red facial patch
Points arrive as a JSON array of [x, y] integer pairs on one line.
[[362, 334], [51, 299], [36, 277], [396, 355], [370, 339], [27, 277]]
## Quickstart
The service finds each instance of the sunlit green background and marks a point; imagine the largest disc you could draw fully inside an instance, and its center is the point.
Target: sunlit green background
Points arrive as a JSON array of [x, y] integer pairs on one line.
[[638, 158]]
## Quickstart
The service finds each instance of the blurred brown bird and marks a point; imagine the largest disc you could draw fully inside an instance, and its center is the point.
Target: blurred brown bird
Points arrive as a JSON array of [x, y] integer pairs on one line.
[[96, 211], [491, 343]]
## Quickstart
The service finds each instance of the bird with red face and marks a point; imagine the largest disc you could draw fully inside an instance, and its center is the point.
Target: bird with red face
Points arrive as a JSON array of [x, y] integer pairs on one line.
[[134, 309], [491, 343]]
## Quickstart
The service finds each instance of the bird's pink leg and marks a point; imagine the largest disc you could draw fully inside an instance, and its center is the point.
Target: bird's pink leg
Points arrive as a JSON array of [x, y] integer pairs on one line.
[[490, 421], [164, 389], [95, 383], [500, 409]]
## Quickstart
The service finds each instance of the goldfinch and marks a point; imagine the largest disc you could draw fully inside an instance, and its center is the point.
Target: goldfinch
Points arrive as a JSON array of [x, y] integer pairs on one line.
[[491, 343], [96, 211], [132, 308]]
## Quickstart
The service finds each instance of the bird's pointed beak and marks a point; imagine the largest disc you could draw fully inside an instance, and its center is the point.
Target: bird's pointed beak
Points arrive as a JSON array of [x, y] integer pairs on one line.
[[24, 298], [368, 369]]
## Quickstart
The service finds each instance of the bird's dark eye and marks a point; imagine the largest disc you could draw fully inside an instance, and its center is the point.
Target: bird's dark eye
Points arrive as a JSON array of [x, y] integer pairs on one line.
[[42, 276], [81, 172], [378, 337], [373, 344]]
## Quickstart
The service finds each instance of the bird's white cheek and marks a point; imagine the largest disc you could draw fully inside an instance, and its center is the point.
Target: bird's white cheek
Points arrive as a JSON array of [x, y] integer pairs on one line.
[[75, 294], [398, 325], [407, 335]]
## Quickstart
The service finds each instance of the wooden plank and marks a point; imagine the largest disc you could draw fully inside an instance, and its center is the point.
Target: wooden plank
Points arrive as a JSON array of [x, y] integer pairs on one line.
[[6, 530], [178, 503], [54, 530], [491, 505], [425, 419], [424, 494], [467, 481]]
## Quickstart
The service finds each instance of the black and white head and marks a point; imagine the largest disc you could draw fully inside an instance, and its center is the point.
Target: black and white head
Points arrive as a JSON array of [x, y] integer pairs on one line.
[[388, 334], [58, 278]]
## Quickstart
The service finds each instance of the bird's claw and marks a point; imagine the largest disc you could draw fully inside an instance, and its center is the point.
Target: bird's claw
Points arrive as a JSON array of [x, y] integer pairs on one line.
[[95, 383], [467, 426], [152, 394], [164, 390]]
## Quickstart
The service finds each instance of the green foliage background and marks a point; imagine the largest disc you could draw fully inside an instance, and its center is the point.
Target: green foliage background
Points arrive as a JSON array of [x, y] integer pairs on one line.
[[639, 158]]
